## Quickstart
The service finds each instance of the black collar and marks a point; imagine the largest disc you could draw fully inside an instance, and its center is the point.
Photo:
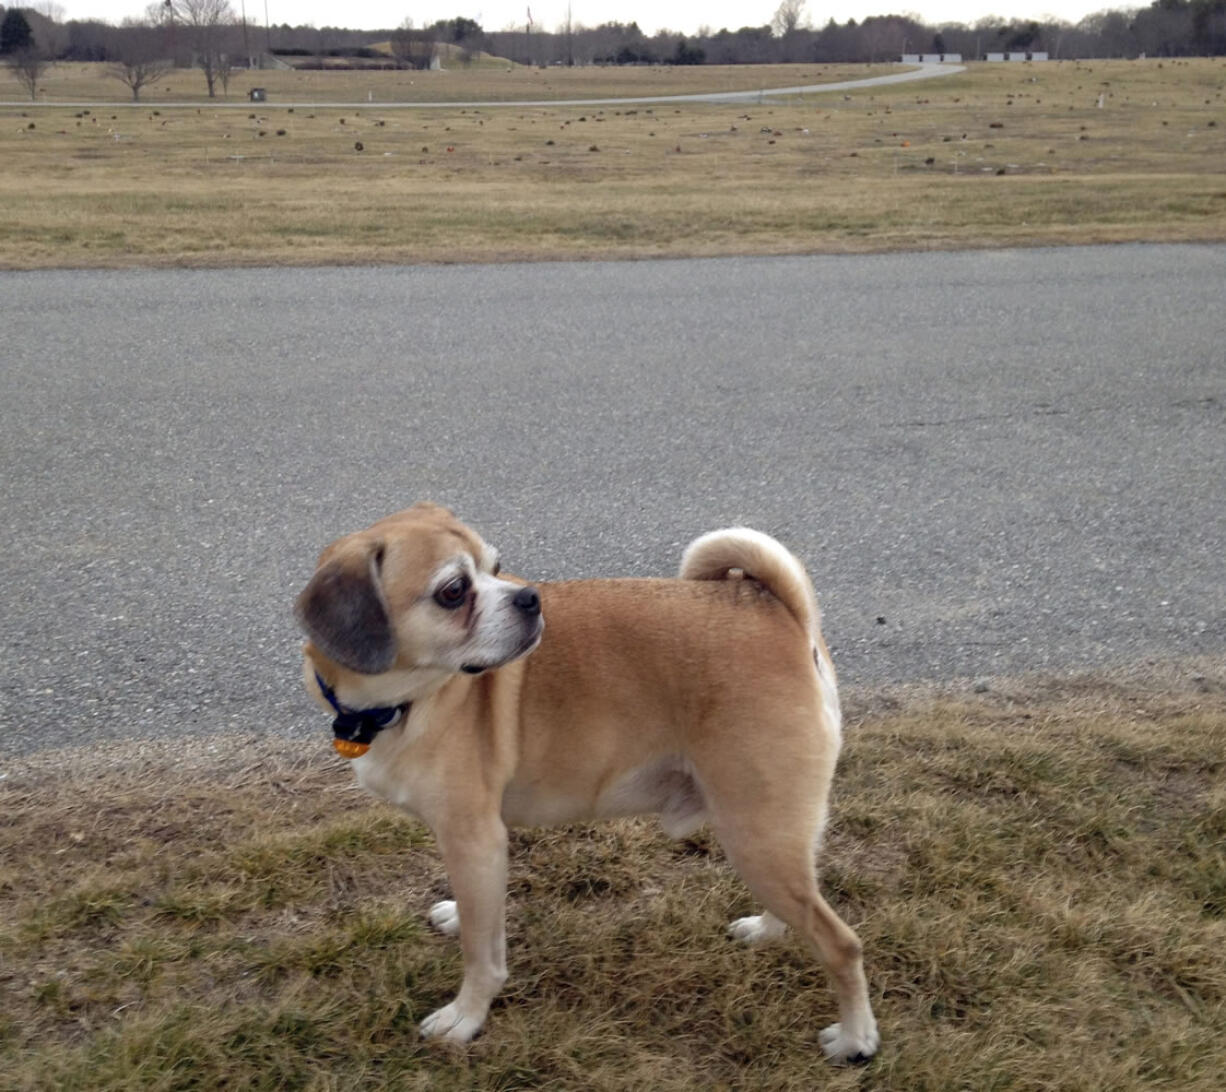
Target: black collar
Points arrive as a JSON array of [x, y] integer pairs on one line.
[[359, 725]]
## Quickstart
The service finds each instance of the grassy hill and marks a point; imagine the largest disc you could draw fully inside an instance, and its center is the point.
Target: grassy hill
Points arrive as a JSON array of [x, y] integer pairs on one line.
[[1037, 875]]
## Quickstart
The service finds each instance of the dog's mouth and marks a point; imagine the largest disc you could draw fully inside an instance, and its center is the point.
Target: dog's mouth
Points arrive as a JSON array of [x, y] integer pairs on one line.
[[527, 645]]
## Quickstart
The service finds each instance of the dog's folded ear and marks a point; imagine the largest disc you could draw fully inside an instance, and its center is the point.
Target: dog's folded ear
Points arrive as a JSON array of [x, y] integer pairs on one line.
[[343, 612]]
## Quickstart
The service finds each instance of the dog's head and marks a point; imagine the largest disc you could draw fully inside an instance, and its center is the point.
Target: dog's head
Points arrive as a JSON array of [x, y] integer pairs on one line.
[[394, 610]]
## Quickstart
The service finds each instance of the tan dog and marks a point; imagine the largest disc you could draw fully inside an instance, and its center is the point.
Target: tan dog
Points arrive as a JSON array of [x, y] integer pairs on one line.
[[705, 699]]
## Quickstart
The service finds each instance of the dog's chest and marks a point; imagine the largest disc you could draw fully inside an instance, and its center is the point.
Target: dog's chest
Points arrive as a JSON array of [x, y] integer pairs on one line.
[[390, 782]]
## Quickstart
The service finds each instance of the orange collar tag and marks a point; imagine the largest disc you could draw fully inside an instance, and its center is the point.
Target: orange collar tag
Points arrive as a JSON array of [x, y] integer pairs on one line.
[[348, 748]]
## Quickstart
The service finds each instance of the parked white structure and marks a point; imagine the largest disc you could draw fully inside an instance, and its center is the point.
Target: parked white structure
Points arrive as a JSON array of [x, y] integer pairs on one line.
[[1015, 56], [931, 58]]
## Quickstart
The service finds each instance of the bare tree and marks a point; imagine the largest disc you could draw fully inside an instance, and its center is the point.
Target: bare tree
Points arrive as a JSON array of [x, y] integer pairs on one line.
[[413, 48], [787, 17], [49, 34], [206, 24], [27, 66], [49, 9], [140, 59], [225, 69]]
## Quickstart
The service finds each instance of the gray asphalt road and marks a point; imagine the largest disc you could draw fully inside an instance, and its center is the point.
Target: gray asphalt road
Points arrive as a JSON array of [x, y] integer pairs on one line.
[[992, 462]]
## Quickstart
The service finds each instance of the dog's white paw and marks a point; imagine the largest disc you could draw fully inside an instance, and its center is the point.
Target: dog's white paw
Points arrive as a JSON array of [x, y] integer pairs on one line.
[[757, 930], [445, 918], [843, 1048], [451, 1024]]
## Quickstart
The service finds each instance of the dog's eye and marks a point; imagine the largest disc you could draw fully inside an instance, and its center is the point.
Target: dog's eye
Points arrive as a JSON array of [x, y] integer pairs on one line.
[[496, 569], [452, 594]]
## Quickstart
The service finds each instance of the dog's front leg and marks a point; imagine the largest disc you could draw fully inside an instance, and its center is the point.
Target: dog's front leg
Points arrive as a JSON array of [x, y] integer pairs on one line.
[[475, 855]]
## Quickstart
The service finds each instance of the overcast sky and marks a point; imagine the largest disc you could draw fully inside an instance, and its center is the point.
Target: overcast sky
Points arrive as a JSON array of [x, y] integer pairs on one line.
[[651, 15]]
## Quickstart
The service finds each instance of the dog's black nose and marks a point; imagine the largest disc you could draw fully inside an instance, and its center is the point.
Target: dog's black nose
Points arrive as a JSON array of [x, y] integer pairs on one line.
[[527, 601]]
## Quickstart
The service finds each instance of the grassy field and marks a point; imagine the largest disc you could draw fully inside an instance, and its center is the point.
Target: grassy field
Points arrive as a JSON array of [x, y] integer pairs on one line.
[[1007, 154], [490, 80], [1038, 876]]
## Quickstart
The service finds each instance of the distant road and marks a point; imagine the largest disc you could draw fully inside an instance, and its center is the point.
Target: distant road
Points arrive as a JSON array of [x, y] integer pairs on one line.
[[992, 462], [923, 72]]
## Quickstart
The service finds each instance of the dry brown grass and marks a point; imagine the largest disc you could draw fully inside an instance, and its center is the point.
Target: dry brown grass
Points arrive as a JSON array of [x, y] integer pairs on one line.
[[1039, 882], [1002, 155], [489, 81]]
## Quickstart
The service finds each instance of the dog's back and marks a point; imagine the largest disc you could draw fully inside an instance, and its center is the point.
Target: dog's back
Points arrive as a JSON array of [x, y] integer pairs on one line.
[[662, 640]]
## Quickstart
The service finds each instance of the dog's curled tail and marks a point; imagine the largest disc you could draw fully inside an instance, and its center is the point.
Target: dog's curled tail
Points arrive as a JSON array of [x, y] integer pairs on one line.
[[713, 555]]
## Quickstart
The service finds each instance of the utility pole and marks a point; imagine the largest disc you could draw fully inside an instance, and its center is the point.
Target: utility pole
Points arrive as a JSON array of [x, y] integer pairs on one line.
[[242, 7], [169, 9]]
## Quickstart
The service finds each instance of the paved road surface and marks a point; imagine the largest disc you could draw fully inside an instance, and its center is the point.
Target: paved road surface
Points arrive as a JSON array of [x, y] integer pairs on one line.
[[992, 462]]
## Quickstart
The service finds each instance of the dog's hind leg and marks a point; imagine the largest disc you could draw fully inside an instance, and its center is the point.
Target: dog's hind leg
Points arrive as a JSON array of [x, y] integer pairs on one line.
[[778, 869]]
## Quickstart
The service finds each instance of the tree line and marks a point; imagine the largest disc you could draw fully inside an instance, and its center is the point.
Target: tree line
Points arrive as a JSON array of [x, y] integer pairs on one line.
[[1167, 28], [211, 36]]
